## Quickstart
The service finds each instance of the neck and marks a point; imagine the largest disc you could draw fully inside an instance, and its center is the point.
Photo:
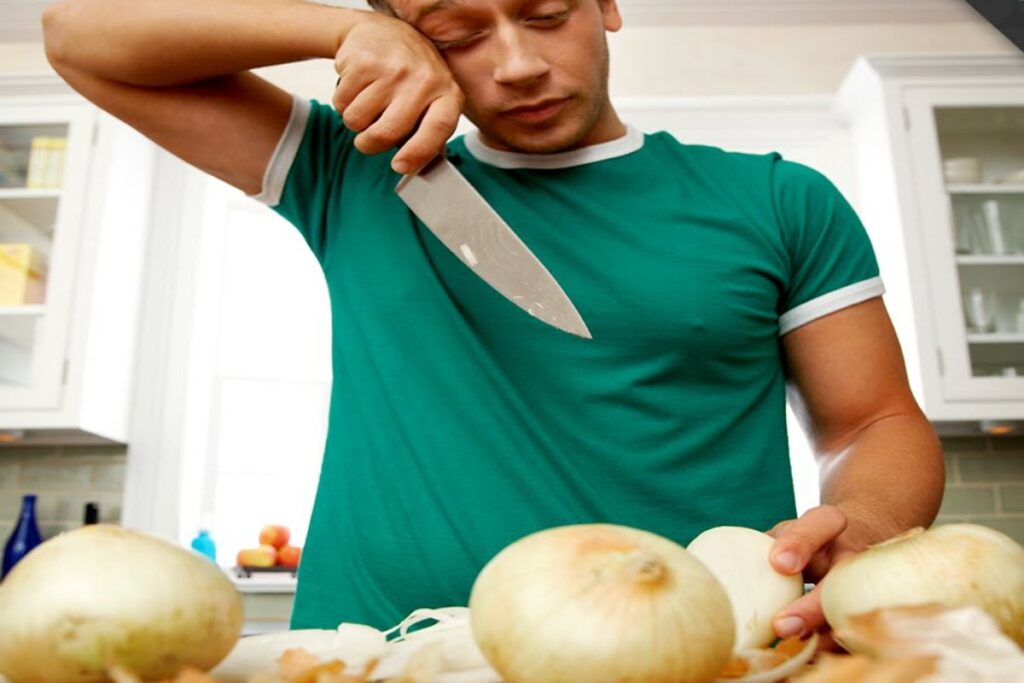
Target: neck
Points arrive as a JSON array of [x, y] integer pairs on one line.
[[606, 128]]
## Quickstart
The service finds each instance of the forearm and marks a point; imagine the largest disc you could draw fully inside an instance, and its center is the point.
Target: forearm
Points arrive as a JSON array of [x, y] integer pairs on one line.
[[889, 478], [160, 43]]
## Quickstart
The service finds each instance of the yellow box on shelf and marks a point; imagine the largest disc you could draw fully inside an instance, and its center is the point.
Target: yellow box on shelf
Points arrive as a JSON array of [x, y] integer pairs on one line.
[[21, 275], [46, 163]]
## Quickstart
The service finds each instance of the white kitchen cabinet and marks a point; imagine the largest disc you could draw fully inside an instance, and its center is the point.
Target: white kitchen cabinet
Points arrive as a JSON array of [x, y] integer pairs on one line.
[[938, 146], [66, 355]]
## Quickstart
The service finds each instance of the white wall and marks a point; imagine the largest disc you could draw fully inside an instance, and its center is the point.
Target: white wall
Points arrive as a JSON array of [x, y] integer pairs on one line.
[[694, 60], [773, 60]]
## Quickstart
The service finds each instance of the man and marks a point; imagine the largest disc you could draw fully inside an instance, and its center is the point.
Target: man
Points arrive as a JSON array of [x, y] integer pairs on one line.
[[711, 282]]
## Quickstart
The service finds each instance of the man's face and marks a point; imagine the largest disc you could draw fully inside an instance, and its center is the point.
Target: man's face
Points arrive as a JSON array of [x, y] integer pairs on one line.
[[534, 72]]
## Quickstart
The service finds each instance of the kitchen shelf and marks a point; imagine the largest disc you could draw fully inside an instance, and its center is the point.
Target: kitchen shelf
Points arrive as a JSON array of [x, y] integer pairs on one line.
[[986, 260], [28, 193], [38, 208], [17, 324], [985, 188], [29, 310], [996, 338]]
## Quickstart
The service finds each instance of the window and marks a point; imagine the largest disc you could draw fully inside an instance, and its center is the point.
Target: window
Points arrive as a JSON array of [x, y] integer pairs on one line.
[[259, 376]]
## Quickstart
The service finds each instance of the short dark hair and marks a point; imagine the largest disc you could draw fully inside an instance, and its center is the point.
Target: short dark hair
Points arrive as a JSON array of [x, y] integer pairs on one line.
[[382, 6]]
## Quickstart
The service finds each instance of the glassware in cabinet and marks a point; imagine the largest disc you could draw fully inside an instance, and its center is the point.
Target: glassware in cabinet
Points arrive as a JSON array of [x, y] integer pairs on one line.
[[982, 152]]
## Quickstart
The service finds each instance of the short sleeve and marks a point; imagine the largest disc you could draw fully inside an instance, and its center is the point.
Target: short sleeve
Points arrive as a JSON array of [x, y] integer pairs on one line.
[[306, 164], [831, 263]]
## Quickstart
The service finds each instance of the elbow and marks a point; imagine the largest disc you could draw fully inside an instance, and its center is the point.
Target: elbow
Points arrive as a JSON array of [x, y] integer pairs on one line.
[[56, 27]]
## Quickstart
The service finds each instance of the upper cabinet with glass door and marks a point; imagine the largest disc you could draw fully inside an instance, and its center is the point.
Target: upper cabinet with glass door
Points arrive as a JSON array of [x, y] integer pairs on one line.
[[31, 171], [38, 245], [74, 192], [982, 151], [939, 147]]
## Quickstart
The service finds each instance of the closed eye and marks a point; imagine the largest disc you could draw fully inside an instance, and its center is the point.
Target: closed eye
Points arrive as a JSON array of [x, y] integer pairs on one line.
[[443, 45], [548, 19]]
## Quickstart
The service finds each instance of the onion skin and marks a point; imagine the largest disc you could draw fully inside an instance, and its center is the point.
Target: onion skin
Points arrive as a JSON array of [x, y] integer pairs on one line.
[[602, 604], [955, 565], [102, 595]]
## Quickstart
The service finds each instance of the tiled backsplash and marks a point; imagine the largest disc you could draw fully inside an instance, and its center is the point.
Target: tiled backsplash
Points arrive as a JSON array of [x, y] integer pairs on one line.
[[64, 478], [984, 483]]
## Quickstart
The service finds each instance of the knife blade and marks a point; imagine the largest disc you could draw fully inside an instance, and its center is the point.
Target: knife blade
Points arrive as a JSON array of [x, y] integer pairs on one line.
[[473, 231]]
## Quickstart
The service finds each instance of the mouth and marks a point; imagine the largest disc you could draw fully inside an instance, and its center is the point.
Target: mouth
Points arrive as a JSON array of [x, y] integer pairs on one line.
[[537, 112]]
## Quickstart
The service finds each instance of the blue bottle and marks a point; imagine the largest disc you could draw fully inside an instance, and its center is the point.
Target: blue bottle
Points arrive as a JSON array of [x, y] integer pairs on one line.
[[204, 545], [25, 536]]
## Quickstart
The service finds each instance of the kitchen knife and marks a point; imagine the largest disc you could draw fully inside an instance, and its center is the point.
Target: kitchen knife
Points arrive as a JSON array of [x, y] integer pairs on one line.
[[466, 224]]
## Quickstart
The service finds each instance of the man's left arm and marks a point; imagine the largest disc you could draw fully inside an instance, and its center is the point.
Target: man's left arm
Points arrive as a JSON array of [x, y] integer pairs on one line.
[[881, 463]]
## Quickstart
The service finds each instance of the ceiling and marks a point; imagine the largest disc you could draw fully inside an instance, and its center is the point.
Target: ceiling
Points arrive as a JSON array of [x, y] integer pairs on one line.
[[19, 19]]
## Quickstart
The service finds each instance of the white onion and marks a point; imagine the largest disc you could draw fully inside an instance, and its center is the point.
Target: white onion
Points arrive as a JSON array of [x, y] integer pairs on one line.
[[101, 596], [954, 565], [738, 558], [603, 604]]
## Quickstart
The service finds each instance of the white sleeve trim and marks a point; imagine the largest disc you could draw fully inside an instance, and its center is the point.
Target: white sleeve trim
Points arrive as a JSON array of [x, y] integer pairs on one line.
[[830, 303], [284, 154], [632, 141]]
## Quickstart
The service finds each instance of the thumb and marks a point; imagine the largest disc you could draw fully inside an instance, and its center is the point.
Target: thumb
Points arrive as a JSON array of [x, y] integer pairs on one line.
[[801, 617]]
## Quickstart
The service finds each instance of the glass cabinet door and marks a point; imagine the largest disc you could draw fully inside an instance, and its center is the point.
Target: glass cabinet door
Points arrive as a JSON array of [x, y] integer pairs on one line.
[[983, 168], [31, 172], [969, 145], [43, 176]]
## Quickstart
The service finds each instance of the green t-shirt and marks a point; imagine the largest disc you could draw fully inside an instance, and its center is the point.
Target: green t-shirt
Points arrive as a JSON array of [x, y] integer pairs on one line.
[[458, 423]]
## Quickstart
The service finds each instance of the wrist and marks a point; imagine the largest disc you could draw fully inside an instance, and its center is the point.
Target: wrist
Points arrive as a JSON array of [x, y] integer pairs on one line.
[[318, 30], [349, 19]]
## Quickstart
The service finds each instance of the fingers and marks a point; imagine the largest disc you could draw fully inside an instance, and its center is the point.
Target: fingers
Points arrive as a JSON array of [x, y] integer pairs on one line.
[[405, 96], [349, 85], [384, 121], [437, 126], [366, 107], [799, 540], [396, 124], [801, 617]]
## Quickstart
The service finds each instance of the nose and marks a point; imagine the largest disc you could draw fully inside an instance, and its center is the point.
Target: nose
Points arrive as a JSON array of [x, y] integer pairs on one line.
[[519, 62]]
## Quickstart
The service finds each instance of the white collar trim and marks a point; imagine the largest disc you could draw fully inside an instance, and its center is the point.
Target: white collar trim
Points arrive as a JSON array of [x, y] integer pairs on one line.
[[632, 141]]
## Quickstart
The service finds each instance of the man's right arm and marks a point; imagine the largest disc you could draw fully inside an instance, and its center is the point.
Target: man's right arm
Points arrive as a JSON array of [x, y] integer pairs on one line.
[[179, 73]]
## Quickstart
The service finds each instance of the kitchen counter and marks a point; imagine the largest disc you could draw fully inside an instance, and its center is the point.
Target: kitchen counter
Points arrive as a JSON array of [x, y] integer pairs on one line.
[[262, 582], [266, 598]]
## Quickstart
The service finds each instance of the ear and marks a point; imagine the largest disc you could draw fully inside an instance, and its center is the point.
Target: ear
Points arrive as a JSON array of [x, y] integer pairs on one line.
[[612, 18]]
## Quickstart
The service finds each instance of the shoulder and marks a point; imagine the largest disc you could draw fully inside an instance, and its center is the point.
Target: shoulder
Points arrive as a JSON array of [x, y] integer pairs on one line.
[[792, 177], [768, 182], [711, 159], [804, 195], [727, 178]]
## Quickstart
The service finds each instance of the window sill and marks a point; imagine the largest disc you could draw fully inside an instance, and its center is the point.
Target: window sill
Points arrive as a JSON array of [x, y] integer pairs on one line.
[[262, 583]]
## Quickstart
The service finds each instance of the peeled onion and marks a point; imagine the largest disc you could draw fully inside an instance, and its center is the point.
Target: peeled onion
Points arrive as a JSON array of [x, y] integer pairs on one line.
[[103, 596], [738, 558], [600, 602], [954, 565]]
